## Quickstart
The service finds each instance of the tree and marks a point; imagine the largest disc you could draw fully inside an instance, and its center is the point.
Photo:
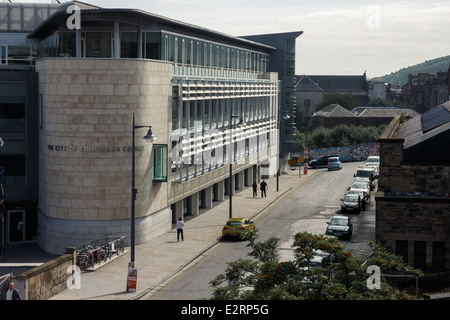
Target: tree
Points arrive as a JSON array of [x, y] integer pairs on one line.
[[264, 277], [338, 136]]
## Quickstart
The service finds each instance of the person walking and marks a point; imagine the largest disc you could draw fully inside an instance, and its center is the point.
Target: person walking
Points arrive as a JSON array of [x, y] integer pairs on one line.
[[12, 293], [180, 225], [255, 189], [263, 186]]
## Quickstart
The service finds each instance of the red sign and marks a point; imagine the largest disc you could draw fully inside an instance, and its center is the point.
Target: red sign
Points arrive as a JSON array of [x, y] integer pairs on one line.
[[131, 277]]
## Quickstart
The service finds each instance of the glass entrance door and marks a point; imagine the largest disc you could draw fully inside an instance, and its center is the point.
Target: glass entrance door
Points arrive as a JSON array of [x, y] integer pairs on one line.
[[16, 226]]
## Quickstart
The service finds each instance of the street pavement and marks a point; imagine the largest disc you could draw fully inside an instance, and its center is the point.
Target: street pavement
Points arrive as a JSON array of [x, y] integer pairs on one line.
[[161, 259]]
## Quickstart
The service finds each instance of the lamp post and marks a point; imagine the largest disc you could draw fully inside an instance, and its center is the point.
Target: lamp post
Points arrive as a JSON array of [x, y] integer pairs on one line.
[[230, 185], [285, 117], [149, 138]]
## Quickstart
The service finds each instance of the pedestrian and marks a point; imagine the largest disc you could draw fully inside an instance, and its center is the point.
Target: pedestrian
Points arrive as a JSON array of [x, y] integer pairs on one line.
[[12, 293], [263, 186], [255, 189], [180, 225]]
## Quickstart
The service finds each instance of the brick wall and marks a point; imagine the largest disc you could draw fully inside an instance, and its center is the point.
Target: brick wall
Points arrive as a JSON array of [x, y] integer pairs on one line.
[[411, 204]]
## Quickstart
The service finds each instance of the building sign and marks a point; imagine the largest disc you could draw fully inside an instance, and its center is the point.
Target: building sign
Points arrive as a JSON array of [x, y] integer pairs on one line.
[[93, 149]]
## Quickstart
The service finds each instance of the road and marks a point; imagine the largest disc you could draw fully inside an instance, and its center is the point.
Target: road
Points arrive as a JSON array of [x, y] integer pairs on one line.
[[306, 208]]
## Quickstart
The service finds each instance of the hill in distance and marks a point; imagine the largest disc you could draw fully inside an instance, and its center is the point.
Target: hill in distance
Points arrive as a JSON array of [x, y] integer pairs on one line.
[[401, 76]]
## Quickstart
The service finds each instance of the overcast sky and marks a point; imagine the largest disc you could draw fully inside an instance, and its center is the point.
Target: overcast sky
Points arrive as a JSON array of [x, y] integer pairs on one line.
[[347, 37]]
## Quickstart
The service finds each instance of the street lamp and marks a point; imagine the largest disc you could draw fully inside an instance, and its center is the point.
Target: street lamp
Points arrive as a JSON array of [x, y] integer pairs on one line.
[[149, 138], [230, 184], [285, 117]]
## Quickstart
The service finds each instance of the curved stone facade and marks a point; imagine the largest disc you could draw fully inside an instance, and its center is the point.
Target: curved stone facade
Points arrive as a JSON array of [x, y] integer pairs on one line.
[[85, 144]]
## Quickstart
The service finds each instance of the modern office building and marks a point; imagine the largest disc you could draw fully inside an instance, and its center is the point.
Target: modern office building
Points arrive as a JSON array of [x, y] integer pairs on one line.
[[99, 78]]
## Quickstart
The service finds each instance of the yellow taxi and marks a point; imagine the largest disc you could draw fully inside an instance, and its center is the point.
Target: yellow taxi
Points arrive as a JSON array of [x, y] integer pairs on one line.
[[236, 227]]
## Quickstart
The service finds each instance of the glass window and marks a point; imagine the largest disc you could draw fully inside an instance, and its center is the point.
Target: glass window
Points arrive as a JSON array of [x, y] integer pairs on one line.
[[128, 45], [98, 44], [67, 44], [19, 55], [12, 106], [3, 54], [420, 254], [159, 167], [175, 111], [152, 45], [439, 255]]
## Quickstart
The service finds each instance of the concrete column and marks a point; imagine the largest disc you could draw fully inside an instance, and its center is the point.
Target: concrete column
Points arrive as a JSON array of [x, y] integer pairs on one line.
[[177, 211], [248, 176], [139, 54], [116, 51], [219, 191], [239, 180], [207, 197], [78, 43], [193, 204], [233, 185]]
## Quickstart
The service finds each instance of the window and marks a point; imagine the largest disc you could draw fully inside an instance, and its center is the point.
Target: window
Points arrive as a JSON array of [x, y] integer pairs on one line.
[[128, 45], [420, 254], [3, 54], [98, 44], [439, 255], [159, 167], [402, 249], [152, 45]]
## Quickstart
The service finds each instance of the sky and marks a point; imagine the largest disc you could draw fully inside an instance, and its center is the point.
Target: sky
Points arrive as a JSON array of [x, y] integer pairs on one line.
[[347, 37]]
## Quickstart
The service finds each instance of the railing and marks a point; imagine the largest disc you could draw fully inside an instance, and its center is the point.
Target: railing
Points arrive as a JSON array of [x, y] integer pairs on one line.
[[98, 251]]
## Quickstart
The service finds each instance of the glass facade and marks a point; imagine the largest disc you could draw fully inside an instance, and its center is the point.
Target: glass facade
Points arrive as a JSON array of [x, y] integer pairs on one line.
[[206, 114], [13, 129], [177, 48]]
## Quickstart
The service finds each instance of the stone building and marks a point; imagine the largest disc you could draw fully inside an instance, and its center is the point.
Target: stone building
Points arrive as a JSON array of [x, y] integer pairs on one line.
[[70, 93], [413, 203], [311, 89]]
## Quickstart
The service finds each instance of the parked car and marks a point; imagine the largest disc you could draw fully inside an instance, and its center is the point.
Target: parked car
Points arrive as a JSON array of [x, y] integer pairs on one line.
[[236, 227], [364, 197], [366, 173], [363, 185], [352, 203], [341, 227], [334, 163], [320, 162], [374, 162]]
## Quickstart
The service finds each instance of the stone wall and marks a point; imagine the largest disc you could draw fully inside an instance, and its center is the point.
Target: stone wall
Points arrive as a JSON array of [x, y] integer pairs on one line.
[[85, 144], [48, 279], [413, 201], [413, 219]]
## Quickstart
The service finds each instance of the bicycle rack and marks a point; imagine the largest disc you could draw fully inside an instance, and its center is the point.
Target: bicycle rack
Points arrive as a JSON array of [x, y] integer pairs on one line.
[[96, 253]]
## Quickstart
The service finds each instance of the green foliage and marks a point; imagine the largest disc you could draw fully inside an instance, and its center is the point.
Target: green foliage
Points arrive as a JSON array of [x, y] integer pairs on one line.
[[264, 277], [341, 135]]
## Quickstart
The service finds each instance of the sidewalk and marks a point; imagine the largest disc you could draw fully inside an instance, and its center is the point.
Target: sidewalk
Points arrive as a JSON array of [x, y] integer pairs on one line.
[[161, 259]]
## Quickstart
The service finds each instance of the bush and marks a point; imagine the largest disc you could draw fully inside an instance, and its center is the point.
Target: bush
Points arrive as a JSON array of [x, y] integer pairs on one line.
[[339, 136]]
